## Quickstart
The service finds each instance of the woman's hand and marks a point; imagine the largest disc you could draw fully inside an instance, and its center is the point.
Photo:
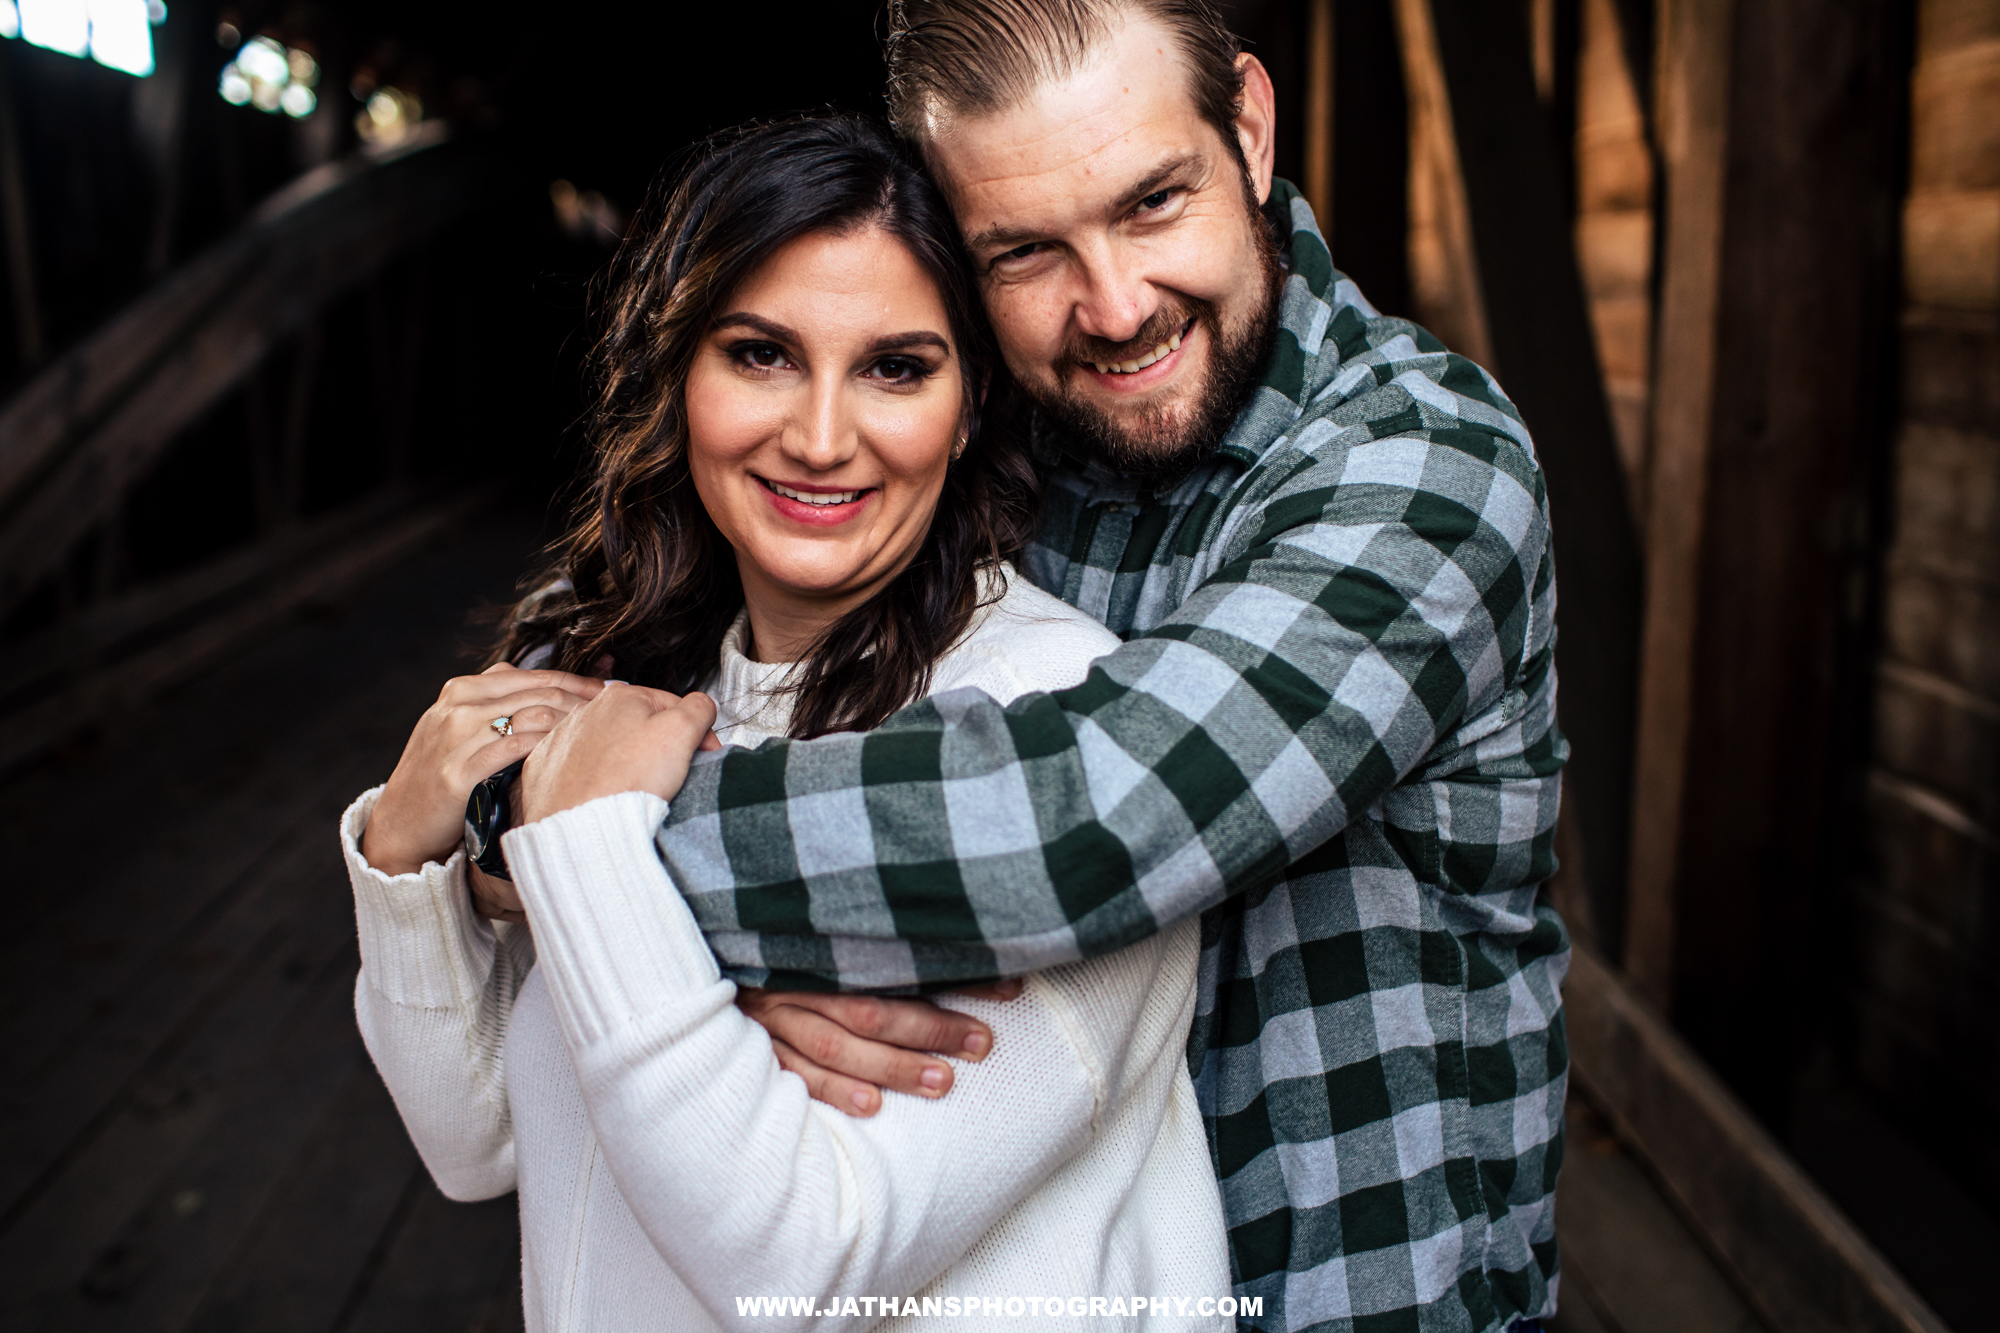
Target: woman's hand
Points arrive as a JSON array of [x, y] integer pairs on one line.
[[629, 738], [421, 816]]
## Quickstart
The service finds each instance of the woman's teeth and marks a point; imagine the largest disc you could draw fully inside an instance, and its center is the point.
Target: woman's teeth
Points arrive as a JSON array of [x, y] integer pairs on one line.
[[1172, 344], [823, 498]]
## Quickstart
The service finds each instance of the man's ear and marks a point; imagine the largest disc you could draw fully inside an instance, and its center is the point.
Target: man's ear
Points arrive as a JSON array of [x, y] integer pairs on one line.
[[1257, 123]]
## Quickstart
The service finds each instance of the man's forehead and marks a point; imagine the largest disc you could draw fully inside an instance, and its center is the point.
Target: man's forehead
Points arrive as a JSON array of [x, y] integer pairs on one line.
[[1127, 105]]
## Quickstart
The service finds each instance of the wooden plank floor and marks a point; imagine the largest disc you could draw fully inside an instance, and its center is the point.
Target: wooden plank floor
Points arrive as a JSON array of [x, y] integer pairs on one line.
[[191, 1136], [1630, 1264]]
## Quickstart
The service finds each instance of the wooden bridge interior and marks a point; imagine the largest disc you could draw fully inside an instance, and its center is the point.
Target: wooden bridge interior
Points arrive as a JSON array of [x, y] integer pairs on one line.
[[288, 382]]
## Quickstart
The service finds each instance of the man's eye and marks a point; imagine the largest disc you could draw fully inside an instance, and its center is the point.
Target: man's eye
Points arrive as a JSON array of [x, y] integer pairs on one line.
[[1020, 251], [1157, 199]]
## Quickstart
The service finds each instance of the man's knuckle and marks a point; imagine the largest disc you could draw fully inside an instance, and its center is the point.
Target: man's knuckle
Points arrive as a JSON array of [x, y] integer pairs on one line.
[[823, 1047], [866, 1017]]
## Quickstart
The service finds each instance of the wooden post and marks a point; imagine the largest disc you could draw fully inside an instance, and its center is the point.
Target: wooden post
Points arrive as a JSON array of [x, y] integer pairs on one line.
[[1692, 113], [19, 235], [1446, 295], [1319, 113], [1784, 127], [1545, 356], [1370, 222]]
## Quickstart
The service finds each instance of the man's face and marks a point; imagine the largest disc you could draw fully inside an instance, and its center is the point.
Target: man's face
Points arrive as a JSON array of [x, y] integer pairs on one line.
[[1129, 275]]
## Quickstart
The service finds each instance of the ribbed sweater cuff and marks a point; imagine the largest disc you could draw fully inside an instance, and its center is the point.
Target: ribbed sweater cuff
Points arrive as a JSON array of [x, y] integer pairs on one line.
[[421, 942], [609, 924]]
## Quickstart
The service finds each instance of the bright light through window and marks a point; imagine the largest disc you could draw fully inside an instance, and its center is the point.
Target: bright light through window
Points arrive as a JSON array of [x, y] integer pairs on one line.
[[118, 33], [272, 78], [59, 25], [121, 35]]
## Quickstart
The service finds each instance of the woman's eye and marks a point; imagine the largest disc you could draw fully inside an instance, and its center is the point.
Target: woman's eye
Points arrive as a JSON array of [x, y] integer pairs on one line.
[[764, 356], [901, 369]]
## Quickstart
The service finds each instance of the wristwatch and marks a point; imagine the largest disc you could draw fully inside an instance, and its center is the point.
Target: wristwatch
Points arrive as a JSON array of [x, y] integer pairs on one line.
[[486, 819]]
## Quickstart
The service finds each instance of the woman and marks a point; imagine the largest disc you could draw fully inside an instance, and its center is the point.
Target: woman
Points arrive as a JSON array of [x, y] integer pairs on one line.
[[795, 511]]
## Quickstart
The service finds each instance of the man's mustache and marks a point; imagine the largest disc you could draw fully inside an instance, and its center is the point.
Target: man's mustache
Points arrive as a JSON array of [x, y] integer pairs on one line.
[[1164, 325]]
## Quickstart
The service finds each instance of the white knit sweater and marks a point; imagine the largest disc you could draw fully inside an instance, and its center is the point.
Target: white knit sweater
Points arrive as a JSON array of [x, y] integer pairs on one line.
[[667, 1166]]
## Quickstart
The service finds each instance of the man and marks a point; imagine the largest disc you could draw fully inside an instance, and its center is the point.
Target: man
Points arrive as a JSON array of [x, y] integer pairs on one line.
[[1331, 726]]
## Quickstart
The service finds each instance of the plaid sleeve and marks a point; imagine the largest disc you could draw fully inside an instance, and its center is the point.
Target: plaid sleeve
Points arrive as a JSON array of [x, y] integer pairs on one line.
[[1369, 598]]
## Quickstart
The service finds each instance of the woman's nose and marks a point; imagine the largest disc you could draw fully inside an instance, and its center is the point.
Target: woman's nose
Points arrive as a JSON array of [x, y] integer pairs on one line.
[[825, 435]]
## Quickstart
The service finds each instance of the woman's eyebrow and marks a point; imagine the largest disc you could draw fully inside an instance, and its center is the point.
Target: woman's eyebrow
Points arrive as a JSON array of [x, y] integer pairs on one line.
[[916, 338], [756, 323]]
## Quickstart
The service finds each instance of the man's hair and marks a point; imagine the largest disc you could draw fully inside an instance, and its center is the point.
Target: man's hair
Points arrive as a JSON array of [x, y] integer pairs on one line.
[[975, 57]]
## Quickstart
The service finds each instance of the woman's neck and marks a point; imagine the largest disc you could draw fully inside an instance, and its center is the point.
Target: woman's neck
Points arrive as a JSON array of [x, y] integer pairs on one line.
[[784, 624]]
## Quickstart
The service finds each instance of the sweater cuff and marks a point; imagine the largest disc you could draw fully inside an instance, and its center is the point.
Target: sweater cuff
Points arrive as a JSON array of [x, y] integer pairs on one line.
[[609, 925], [421, 942]]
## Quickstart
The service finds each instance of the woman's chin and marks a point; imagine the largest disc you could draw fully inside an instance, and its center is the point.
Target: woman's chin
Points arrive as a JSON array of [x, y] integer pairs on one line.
[[817, 583]]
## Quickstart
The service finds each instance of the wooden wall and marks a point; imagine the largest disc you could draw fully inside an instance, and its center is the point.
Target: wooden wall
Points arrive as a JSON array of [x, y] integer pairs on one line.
[[1928, 928]]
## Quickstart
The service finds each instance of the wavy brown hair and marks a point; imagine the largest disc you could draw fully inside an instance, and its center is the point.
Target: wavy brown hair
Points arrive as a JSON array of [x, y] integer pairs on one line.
[[643, 576]]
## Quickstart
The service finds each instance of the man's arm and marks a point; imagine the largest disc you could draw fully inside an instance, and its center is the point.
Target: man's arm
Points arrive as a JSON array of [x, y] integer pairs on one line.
[[1379, 599]]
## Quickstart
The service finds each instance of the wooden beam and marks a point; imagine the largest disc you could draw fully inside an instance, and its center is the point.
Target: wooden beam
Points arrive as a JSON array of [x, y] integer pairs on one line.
[[15, 228], [240, 596], [1319, 113], [1545, 356], [1786, 1245], [1370, 223], [1446, 294], [1774, 397], [1692, 111], [91, 424]]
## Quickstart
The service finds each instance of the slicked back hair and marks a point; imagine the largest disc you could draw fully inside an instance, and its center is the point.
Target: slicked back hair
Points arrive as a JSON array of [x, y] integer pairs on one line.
[[976, 57]]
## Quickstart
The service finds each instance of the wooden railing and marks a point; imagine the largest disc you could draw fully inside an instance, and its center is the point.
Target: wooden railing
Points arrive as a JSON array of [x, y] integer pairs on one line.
[[76, 439]]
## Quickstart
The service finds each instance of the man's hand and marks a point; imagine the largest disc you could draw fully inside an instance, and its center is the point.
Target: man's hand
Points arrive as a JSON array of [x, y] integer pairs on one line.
[[848, 1048]]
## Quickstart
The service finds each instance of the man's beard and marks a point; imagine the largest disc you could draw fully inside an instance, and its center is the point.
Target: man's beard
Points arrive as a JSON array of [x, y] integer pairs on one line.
[[1167, 442]]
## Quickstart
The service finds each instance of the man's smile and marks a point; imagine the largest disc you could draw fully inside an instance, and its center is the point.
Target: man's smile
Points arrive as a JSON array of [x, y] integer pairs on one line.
[[1145, 370]]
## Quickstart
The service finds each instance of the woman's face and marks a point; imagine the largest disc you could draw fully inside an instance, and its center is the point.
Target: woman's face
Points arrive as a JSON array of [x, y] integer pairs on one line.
[[822, 409]]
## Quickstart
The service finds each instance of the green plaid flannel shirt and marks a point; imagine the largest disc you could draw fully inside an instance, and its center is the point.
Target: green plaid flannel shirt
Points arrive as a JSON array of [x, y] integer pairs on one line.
[[1331, 731]]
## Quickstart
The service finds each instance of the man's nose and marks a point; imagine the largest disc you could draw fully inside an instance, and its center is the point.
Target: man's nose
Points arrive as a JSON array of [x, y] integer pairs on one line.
[[1117, 298]]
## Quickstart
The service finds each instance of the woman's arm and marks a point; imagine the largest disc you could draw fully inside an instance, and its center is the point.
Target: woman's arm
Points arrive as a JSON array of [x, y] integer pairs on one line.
[[745, 1185], [436, 989]]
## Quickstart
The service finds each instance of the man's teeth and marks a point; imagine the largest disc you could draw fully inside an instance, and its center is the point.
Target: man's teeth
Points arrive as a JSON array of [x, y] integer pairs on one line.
[[1172, 344], [833, 498]]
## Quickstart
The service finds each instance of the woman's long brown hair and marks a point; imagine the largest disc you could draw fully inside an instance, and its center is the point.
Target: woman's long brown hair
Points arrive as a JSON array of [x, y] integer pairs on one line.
[[643, 576]]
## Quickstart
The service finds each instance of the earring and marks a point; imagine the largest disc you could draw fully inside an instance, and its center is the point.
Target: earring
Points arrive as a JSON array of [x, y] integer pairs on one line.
[[958, 449]]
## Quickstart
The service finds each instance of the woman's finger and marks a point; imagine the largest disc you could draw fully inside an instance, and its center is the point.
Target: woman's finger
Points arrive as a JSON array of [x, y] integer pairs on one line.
[[844, 1094], [498, 681], [531, 710], [483, 756]]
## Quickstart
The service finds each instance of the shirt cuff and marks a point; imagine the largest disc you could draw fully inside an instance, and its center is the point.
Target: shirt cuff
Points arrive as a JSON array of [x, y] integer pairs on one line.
[[421, 942], [614, 933]]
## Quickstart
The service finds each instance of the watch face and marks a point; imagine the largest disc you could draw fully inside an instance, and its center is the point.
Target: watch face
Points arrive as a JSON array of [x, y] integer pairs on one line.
[[486, 820]]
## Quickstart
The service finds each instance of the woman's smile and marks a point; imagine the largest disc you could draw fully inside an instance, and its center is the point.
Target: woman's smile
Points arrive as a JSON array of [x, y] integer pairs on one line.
[[803, 502]]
